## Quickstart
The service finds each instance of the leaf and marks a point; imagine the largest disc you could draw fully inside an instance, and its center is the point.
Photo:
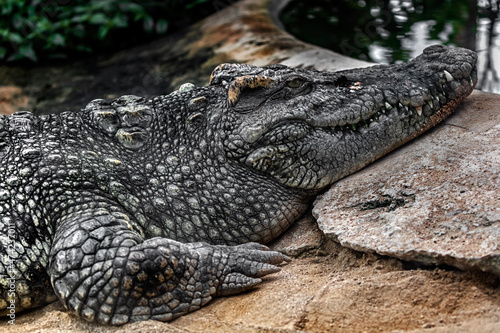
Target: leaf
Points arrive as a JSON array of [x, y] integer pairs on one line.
[[26, 51], [81, 9], [17, 21], [98, 18], [131, 7], [195, 3], [62, 24], [101, 6], [7, 9], [83, 48], [14, 37], [140, 16], [57, 40], [3, 52], [120, 21], [79, 31], [80, 18], [148, 24], [161, 26], [102, 32]]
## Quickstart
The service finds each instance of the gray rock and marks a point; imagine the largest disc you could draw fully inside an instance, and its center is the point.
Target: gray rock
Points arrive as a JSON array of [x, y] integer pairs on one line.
[[301, 239], [435, 200]]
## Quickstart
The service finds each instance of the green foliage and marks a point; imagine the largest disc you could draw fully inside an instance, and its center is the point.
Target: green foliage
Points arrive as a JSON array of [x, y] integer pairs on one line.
[[32, 29]]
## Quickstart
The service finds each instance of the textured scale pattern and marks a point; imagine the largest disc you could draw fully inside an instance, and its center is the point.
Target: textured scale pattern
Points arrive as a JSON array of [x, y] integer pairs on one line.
[[135, 209]]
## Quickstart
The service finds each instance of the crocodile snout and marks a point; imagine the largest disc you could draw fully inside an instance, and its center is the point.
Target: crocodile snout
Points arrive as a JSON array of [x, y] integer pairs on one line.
[[357, 98]]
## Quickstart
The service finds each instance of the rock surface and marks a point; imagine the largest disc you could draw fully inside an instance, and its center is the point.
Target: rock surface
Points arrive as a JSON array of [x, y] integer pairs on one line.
[[303, 238], [436, 200], [330, 288]]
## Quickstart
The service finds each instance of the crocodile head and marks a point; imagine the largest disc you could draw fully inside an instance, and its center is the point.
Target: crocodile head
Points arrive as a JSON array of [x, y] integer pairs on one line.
[[308, 129]]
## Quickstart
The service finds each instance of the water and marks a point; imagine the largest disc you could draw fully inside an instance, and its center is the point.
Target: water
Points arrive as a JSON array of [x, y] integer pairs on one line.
[[392, 31]]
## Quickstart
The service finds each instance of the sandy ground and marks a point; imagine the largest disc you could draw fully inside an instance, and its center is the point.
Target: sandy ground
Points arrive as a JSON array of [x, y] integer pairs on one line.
[[342, 291]]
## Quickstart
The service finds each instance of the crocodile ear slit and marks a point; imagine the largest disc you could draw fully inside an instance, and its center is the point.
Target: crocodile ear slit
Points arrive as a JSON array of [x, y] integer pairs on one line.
[[243, 82]]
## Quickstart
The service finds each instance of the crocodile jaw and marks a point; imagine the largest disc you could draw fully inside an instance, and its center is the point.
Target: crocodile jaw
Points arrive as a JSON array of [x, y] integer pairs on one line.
[[434, 79], [353, 117]]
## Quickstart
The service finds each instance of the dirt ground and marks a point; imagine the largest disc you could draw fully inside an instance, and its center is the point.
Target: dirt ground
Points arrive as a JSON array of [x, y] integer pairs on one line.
[[340, 290]]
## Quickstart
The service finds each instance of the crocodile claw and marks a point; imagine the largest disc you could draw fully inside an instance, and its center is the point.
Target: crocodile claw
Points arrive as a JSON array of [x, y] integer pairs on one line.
[[245, 265]]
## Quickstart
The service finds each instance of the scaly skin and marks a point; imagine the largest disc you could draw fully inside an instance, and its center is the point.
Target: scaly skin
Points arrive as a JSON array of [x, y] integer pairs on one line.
[[107, 206]]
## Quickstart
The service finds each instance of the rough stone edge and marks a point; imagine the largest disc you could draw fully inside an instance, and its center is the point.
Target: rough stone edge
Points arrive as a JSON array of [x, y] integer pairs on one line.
[[485, 263]]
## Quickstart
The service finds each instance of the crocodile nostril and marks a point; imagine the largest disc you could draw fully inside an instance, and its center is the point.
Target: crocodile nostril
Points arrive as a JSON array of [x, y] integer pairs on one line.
[[466, 68], [435, 49]]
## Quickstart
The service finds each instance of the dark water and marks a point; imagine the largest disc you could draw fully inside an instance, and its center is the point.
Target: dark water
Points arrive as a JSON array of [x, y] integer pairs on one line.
[[391, 31]]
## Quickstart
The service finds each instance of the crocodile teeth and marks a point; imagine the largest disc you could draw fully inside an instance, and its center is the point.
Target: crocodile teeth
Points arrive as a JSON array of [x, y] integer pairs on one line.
[[448, 76], [388, 106], [470, 81], [419, 110]]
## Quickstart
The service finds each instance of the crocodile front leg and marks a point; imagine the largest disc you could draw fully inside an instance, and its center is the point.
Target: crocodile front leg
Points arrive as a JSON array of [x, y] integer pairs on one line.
[[104, 271]]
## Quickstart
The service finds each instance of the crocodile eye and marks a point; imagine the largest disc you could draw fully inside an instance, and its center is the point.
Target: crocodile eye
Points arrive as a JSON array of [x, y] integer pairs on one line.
[[295, 83]]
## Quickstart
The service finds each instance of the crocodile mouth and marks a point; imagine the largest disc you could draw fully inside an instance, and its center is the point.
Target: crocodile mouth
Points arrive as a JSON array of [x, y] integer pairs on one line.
[[419, 111], [412, 116], [438, 100], [350, 118]]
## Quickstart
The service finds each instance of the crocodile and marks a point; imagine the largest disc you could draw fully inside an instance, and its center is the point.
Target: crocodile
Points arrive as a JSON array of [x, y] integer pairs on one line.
[[135, 209]]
